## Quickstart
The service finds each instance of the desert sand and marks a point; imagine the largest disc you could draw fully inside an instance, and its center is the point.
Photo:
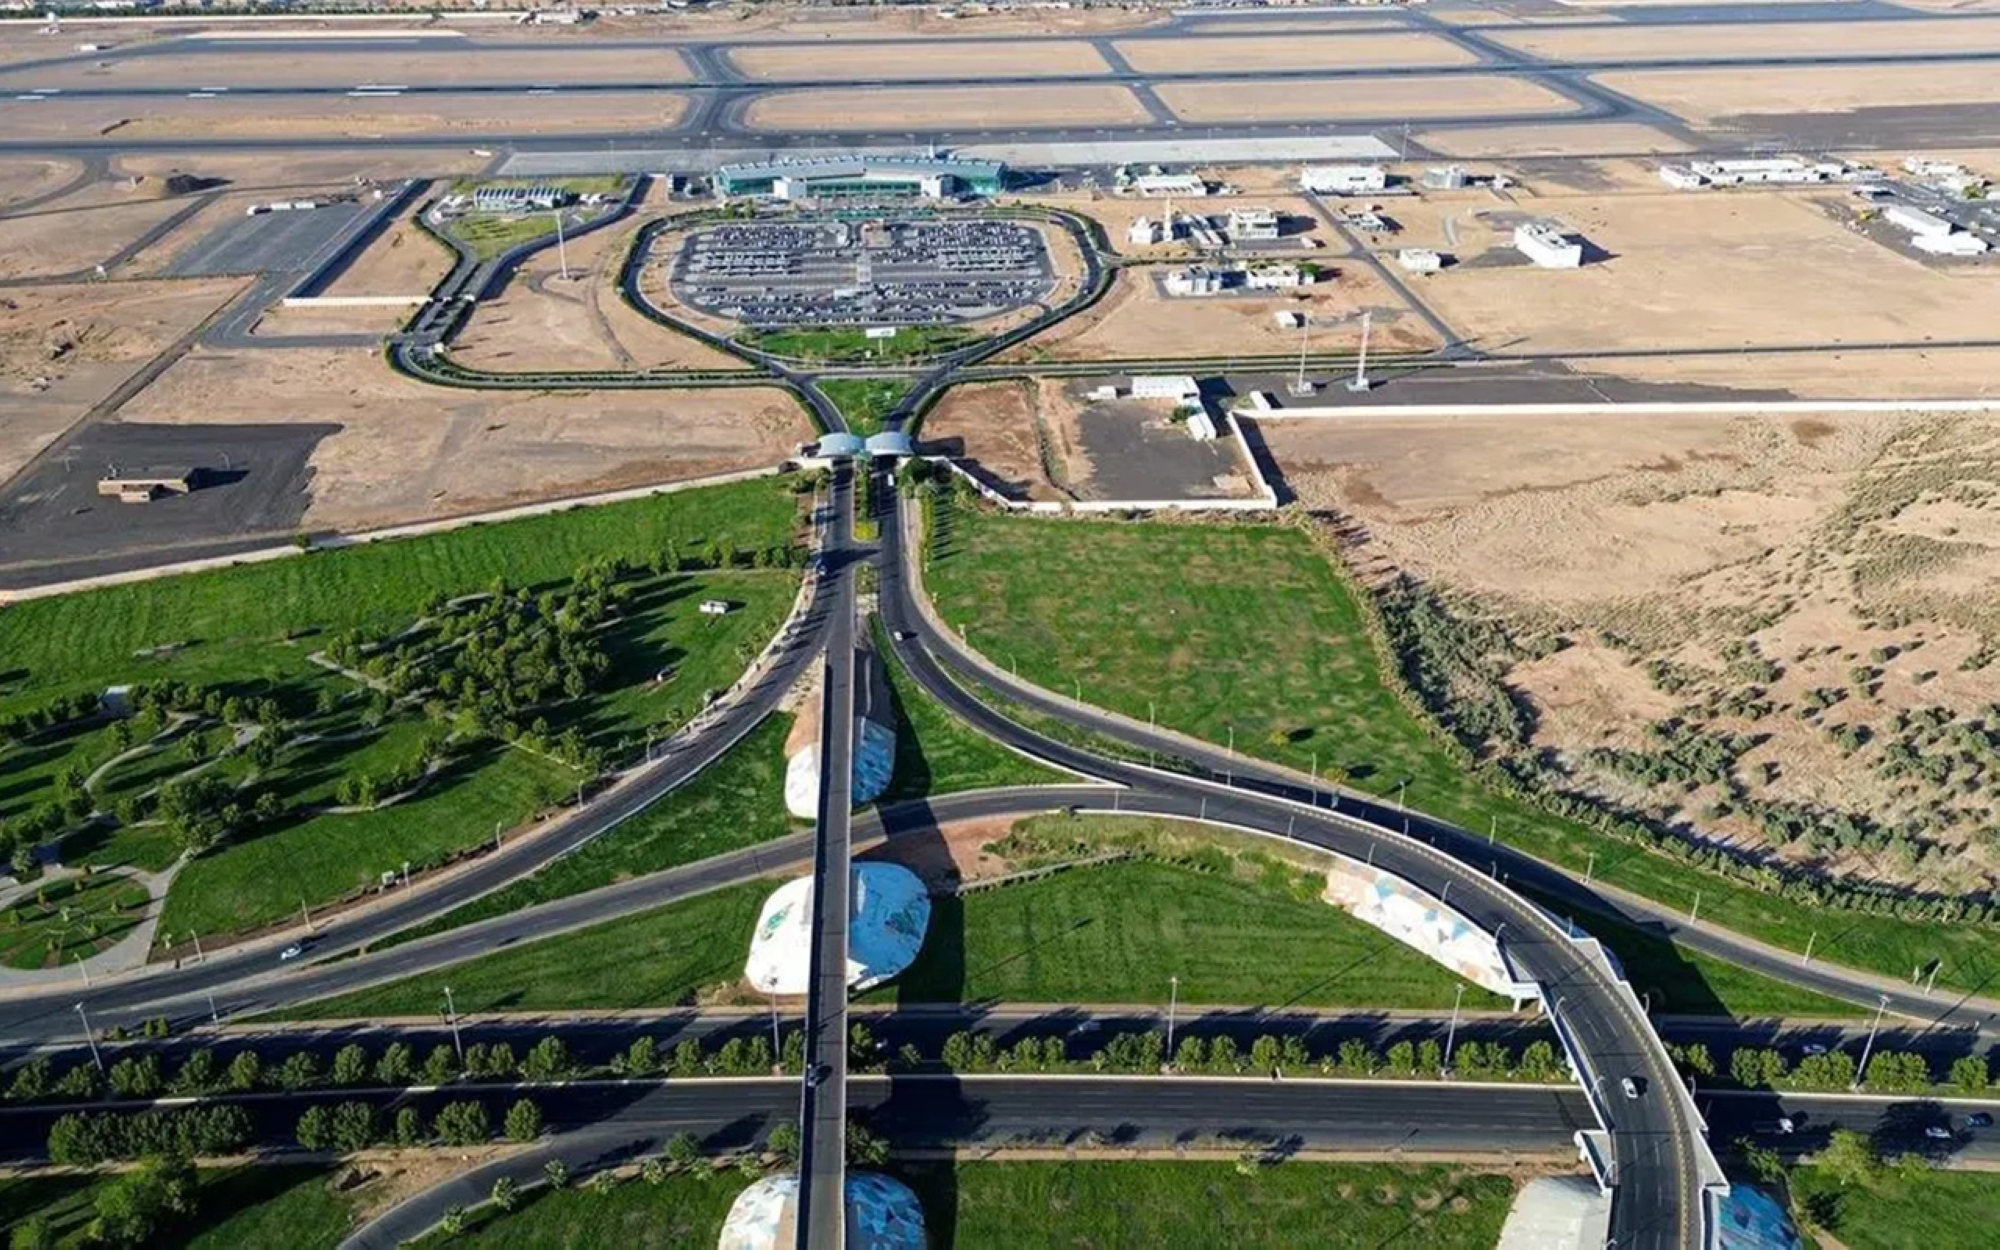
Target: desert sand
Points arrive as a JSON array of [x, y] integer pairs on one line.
[[1743, 39], [1705, 96], [1581, 139], [941, 59], [897, 108], [305, 117], [440, 63], [410, 452], [1251, 53], [1013, 433], [1250, 100]]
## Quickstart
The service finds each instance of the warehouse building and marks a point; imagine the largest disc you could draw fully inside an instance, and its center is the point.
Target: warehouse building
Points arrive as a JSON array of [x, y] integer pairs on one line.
[[1548, 246], [1420, 260], [1180, 388], [1957, 243], [1344, 179], [1252, 225], [1445, 178], [1180, 186], [1916, 220], [862, 178]]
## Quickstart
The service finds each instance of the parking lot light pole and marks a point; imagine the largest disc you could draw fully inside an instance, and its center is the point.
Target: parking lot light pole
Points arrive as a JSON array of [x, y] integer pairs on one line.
[[562, 253], [451, 1014], [1861, 1069], [90, 1037], [1173, 1001]]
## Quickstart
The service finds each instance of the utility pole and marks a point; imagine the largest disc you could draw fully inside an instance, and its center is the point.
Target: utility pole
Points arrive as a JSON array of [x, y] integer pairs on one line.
[[1590, 870], [451, 1014], [90, 1037], [777, 1049], [1359, 384], [1299, 385], [306, 912], [562, 252], [1451, 1034], [1807, 957], [214, 1016], [1861, 1071], [1173, 1001], [1932, 979]]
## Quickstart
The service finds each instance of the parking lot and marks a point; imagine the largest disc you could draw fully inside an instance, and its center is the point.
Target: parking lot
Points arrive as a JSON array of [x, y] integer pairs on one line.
[[879, 271], [283, 242]]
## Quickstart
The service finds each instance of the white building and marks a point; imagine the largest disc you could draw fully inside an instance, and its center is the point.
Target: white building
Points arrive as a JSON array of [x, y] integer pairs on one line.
[[1252, 225], [1930, 167], [1444, 178], [1178, 387], [1195, 280], [1916, 220], [1958, 243], [1201, 426], [888, 911], [1548, 246], [1344, 179], [1277, 277], [1158, 186], [1288, 320], [1681, 178], [1420, 260], [1779, 171], [1143, 232]]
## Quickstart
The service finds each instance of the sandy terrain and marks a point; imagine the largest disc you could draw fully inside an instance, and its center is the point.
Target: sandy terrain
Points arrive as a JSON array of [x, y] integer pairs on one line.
[[1249, 100], [1705, 96], [403, 260], [64, 348], [1013, 432], [1582, 139], [271, 171], [350, 117], [1913, 374], [282, 322], [411, 451], [1735, 39], [899, 107], [1794, 276], [943, 59], [733, 25], [1136, 319], [440, 63], [79, 231], [1320, 24], [23, 177], [543, 322], [1163, 56], [1857, 554]]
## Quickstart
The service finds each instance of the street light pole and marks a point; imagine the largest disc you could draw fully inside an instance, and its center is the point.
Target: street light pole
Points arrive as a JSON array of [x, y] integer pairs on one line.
[[451, 1014], [90, 1037], [1451, 1034], [777, 1050], [1173, 1001], [562, 253], [1861, 1071]]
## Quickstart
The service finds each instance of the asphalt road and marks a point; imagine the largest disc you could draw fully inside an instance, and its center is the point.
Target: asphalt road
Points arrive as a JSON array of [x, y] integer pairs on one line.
[[823, 1095]]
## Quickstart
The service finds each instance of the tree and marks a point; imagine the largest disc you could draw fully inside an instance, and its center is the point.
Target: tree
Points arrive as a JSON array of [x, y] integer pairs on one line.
[[355, 1127], [244, 1071], [197, 1073], [350, 1064], [315, 1131], [31, 1080], [1969, 1072], [864, 1148], [784, 1141], [32, 1233], [505, 1193], [137, 1077], [957, 1052], [1764, 1163], [131, 1209], [300, 1069], [409, 1127], [464, 1124], [441, 1065], [602, 1182], [1850, 1158], [548, 1061], [453, 1222], [683, 1151], [653, 1172], [1698, 1059], [524, 1120], [1430, 1056], [557, 1173], [1191, 1055], [397, 1065], [642, 1057], [81, 1082], [862, 1046], [1402, 1058]]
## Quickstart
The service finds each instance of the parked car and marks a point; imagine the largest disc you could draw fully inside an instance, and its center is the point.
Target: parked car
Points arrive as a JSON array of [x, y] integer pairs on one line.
[[1979, 1119], [1938, 1132], [1632, 1086]]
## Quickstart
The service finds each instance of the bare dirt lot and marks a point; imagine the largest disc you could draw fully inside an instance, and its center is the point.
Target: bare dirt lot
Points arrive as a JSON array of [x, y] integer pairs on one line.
[[1582, 139], [25, 177], [1706, 96], [1740, 39], [80, 230], [1018, 435], [351, 117], [1824, 591], [941, 59], [894, 107], [542, 321], [1172, 56], [403, 259], [410, 452], [1251, 100], [64, 348], [273, 171], [1794, 276], [1137, 319], [302, 64]]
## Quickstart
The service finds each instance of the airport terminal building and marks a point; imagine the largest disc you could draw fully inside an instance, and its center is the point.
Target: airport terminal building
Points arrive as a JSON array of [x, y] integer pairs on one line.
[[862, 178]]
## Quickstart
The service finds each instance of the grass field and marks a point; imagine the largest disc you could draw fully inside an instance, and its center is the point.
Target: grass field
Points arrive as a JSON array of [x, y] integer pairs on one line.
[[735, 802], [834, 344], [235, 1209], [938, 754], [70, 919], [1245, 633], [656, 959], [250, 630], [865, 401], [682, 1210], [1935, 1209]]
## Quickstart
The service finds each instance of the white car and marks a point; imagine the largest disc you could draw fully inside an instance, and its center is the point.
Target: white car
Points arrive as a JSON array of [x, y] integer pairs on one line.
[[1631, 1087], [1814, 1048], [1938, 1132]]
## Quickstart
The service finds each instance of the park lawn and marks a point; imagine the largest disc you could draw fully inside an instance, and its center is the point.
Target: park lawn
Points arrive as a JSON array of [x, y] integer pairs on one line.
[[850, 343], [1114, 933], [865, 401], [61, 921], [735, 802], [149, 848], [232, 624], [244, 1207], [1247, 633], [28, 771], [264, 878], [936, 753], [1106, 1204], [661, 958], [1939, 1210], [683, 1210]]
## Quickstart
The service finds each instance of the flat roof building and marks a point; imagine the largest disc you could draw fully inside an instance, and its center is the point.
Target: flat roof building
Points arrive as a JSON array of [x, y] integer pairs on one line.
[[1916, 220], [1252, 225], [1178, 387], [1420, 260], [862, 178], [1156, 186], [1344, 179], [1957, 243], [1548, 246]]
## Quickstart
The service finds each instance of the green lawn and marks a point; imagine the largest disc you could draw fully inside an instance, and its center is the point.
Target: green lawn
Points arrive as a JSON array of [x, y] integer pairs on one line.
[[1246, 631], [246, 1208], [735, 802], [1938, 1210], [656, 959], [936, 753], [71, 919], [851, 343], [252, 628], [1109, 1204], [681, 1211], [1114, 933], [865, 401]]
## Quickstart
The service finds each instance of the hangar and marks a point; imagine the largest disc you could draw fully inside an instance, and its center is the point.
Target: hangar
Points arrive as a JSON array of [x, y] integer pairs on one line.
[[862, 178]]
